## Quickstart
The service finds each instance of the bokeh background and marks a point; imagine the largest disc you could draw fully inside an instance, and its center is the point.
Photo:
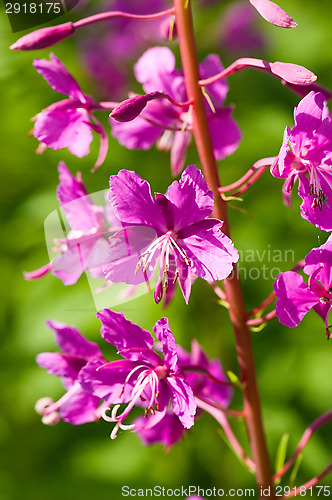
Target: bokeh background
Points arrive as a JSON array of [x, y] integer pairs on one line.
[[293, 366]]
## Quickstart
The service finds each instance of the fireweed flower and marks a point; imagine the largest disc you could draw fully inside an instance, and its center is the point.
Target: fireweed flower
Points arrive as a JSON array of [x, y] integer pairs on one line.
[[67, 123], [143, 377], [295, 298], [306, 156], [170, 125], [171, 232], [86, 246], [76, 406], [206, 379]]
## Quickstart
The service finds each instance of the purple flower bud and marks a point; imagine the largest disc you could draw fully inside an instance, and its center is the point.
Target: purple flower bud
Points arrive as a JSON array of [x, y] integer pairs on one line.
[[44, 37], [129, 109], [274, 14]]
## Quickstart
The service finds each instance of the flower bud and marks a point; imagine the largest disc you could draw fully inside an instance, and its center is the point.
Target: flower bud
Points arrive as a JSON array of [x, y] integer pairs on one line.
[[129, 109], [274, 14], [132, 107], [44, 37]]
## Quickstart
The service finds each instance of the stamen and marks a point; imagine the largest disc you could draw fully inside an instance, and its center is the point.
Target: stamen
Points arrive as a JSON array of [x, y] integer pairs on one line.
[[105, 416], [181, 252]]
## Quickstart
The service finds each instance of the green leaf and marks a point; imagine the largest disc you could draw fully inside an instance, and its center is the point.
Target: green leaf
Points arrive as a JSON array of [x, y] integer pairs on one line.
[[295, 470], [281, 454]]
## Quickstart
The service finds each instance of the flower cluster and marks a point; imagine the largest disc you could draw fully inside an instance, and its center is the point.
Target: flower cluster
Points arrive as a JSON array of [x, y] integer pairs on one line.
[[151, 375]]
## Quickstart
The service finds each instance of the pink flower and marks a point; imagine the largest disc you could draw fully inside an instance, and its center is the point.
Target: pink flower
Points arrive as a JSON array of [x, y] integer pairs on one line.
[[76, 406], [170, 125], [171, 232], [67, 123], [86, 247], [306, 156], [143, 377]]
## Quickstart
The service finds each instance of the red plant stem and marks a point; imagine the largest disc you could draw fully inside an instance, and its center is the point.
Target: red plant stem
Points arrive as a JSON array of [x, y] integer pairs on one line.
[[310, 483], [264, 304], [217, 290], [263, 163], [250, 182], [106, 16], [233, 289], [259, 321], [322, 420], [219, 416]]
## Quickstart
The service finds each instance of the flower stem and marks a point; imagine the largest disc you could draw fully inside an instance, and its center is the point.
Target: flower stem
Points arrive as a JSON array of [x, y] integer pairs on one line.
[[106, 16], [219, 416], [232, 285]]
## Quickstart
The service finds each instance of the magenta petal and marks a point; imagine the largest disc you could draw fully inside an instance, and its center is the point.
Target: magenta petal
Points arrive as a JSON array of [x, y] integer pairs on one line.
[[167, 431], [184, 405], [321, 218], [294, 298], [131, 200], [203, 386], [274, 14], [136, 134], [38, 273], [225, 133], [107, 380], [212, 254], [62, 128], [154, 67], [68, 266], [190, 191], [323, 310], [80, 408], [217, 90], [165, 336], [122, 333], [61, 365], [185, 280], [320, 259], [308, 118], [72, 342], [178, 151], [81, 213], [88, 253], [58, 77]]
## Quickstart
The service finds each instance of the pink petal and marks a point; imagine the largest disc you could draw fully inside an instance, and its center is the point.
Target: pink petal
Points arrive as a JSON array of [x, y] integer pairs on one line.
[[58, 77]]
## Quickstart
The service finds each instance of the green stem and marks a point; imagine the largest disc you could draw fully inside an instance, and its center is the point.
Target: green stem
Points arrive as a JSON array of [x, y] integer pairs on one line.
[[238, 316]]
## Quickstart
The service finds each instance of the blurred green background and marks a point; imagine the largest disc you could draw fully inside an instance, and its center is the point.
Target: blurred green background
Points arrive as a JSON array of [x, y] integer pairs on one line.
[[293, 366]]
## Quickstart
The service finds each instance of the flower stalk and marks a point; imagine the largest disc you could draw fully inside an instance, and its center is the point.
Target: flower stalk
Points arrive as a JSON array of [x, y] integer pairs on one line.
[[232, 285]]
